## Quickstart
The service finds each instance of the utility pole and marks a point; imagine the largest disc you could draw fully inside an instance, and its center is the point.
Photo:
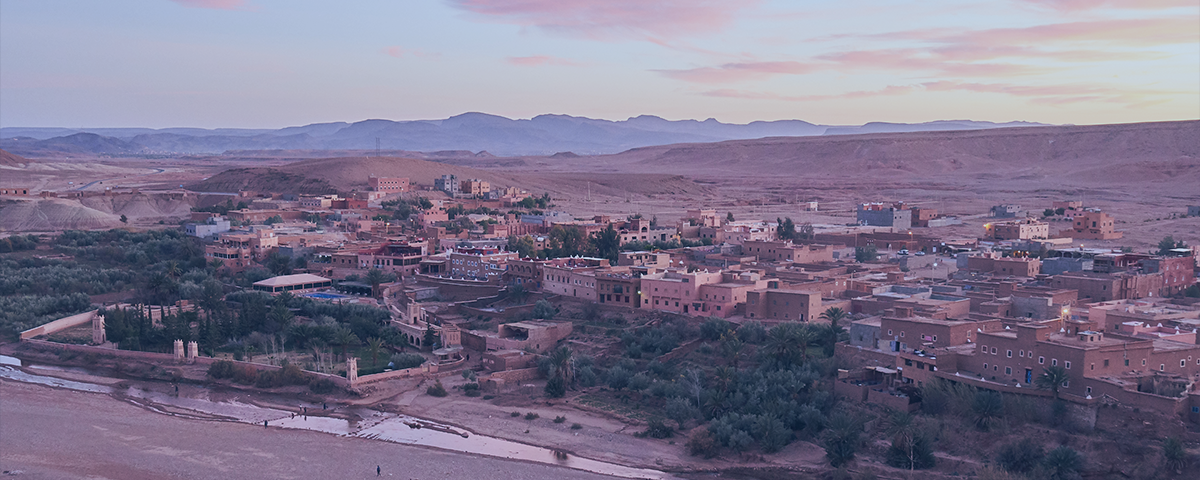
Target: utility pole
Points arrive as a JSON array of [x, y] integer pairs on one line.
[[377, 147]]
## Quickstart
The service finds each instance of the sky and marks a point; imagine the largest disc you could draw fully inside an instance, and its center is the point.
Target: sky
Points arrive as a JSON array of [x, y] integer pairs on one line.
[[271, 64]]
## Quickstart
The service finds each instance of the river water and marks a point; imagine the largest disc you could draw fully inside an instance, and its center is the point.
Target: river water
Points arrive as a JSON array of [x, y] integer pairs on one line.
[[374, 425]]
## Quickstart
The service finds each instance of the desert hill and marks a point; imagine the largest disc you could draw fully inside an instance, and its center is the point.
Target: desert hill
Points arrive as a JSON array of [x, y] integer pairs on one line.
[[328, 175], [540, 135], [12, 159], [1100, 153]]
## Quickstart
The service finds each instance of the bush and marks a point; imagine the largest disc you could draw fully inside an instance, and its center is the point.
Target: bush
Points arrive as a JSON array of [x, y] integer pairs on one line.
[[713, 328], [639, 382], [618, 377], [1020, 456], [401, 361], [576, 426], [531, 416], [657, 429], [702, 444], [988, 408], [560, 419], [245, 374], [917, 456], [514, 414], [555, 387], [322, 386], [437, 390], [221, 369], [1062, 463]]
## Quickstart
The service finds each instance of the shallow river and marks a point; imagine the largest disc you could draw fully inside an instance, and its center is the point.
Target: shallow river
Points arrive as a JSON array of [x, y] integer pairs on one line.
[[374, 424]]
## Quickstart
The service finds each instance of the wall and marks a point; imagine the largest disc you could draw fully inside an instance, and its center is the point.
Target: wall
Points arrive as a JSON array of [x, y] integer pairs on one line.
[[59, 325], [424, 369]]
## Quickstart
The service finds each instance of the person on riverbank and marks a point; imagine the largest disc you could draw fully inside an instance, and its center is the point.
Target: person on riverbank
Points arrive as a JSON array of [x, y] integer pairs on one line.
[[378, 471]]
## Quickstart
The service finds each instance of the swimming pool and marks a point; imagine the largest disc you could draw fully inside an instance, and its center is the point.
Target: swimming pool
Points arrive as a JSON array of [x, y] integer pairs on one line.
[[326, 296]]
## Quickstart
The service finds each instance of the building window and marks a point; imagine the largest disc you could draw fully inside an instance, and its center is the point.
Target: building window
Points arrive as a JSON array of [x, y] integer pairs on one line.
[[1010, 354], [1182, 363], [1089, 390], [1008, 370], [935, 337], [1106, 362], [1068, 364], [1067, 384], [1126, 362], [993, 350], [1041, 360], [1053, 362], [1021, 353], [985, 366], [1162, 367], [902, 334], [1143, 362], [889, 331]]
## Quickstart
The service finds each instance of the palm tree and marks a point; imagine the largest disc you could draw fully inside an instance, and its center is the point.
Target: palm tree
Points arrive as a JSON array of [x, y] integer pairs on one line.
[[301, 334], [1062, 462], [216, 264], [344, 338], [564, 365], [833, 315], [374, 277], [903, 430], [1052, 378], [172, 269], [374, 344], [781, 344]]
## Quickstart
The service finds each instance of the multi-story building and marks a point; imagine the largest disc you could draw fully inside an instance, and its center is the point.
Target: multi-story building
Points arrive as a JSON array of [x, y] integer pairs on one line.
[[388, 185], [618, 287], [572, 277], [676, 290], [1094, 225], [786, 251], [209, 228], [240, 249], [898, 216], [1099, 287], [783, 305], [487, 264], [722, 299], [660, 260], [474, 187], [448, 184], [1178, 273], [526, 272], [1028, 229], [1006, 211]]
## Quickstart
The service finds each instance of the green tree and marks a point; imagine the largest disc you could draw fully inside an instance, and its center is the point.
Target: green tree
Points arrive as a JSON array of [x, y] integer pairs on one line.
[[833, 315], [431, 336], [543, 310], [1167, 244], [1052, 378], [1021, 456], [607, 243], [345, 338], [988, 408], [729, 219], [841, 440], [865, 254], [1062, 463], [375, 277], [680, 410], [1174, 456], [787, 229], [523, 245], [374, 345], [1049, 212], [124, 219]]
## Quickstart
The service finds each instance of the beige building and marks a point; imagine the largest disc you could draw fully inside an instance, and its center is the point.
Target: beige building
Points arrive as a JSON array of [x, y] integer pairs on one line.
[[1028, 229], [1094, 225]]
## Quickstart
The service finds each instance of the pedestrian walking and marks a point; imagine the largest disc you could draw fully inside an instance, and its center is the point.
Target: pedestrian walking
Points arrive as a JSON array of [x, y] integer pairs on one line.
[[264, 423], [378, 471]]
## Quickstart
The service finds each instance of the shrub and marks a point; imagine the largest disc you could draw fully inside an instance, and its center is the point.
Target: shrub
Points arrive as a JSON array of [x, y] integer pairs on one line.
[[221, 369], [245, 374], [555, 387], [401, 361], [713, 328], [576, 426], [618, 377], [531, 416], [917, 456], [437, 390], [514, 414], [657, 429], [988, 408], [560, 419], [322, 386], [1020, 456], [1174, 456], [639, 382], [702, 444], [1062, 463]]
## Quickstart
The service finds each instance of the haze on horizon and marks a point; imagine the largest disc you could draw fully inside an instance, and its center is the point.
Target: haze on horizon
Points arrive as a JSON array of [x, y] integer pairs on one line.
[[273, 63]]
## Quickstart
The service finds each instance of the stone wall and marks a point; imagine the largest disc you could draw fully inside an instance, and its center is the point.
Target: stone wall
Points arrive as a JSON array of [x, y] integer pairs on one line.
[[59, 325]]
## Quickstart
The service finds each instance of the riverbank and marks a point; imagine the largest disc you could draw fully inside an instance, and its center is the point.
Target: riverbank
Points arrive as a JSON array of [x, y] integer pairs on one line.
[[55, 433]]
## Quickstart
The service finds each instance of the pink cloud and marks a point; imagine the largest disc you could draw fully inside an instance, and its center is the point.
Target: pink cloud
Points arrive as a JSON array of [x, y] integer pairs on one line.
[[611, 19], [1039, 94], [536, 60], [736, 72], [1076, 5], [401, 52], [213, 4]]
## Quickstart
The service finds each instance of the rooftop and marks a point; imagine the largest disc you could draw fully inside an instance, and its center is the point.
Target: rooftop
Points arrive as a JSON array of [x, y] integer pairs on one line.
[[282, 280]]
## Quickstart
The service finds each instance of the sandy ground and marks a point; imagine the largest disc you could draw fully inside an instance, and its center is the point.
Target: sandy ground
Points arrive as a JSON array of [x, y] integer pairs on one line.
[[48, 433]]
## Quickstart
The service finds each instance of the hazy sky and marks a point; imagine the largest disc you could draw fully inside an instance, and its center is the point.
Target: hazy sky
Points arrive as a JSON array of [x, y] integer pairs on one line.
[[269, 64]]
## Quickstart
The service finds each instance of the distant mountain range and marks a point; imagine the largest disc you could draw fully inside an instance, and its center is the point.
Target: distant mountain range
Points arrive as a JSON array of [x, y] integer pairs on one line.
[[541, 135]]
